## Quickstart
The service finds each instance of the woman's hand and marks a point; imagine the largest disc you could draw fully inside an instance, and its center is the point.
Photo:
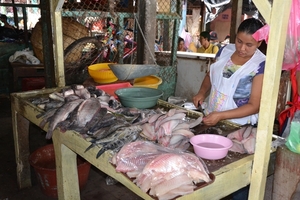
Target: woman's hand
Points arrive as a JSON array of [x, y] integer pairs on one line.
[[198, 99], [212, 118]]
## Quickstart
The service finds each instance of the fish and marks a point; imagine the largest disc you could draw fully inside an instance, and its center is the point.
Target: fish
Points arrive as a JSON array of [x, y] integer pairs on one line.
[[95, 91], [115, 145], [61, 114], [113, 103], [57, 96], [86, 111], [46, 117], [105, 135], [96, 118], [83, 93], [107, 120], [41, 100]]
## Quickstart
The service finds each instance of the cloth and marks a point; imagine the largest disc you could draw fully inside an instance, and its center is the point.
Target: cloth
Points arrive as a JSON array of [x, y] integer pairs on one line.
[[211, 49], [25, 56], [224, 89]]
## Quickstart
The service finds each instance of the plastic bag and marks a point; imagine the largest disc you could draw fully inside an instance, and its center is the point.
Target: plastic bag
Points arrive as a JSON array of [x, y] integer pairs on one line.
[[292, 46], [293, 140]]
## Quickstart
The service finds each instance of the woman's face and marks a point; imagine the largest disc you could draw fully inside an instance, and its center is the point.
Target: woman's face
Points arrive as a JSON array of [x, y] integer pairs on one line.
[[181, 46], [245, 45]]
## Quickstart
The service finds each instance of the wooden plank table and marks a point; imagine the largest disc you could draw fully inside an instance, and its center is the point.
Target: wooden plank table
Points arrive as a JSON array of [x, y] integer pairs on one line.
[[233, 173]]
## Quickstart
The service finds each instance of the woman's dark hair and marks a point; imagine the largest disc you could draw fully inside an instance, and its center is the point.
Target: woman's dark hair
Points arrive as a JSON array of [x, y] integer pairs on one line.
[[180, 39], [250, 26]]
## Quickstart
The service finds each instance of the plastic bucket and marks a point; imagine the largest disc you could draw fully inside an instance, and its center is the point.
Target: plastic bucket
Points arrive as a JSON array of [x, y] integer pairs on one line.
[[43, 162], [151, 81]]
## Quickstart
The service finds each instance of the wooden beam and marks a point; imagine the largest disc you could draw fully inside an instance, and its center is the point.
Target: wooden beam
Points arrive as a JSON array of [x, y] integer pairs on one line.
[[264, 8], [277, 37], [236, 15], [58, 43]]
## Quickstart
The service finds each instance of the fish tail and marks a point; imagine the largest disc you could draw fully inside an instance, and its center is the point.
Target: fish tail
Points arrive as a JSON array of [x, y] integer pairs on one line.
[[49, 134], [100, 152], [89, 147]]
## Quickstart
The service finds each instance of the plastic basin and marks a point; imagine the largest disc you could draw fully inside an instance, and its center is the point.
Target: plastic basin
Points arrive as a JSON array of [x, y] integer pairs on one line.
[[43, 162], [138, 97], [101, 73], [211, 146], [151, 81]]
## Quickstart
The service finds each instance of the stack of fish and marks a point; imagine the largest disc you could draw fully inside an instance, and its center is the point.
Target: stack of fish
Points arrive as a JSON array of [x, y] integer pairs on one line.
[[163, 172], [170, 129], [243, 140]]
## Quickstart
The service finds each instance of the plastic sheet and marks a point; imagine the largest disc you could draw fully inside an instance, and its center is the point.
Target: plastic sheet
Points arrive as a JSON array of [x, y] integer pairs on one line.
[[292, 45]]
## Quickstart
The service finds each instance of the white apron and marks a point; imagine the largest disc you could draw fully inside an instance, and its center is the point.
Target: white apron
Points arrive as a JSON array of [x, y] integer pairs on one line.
[[223, 89]]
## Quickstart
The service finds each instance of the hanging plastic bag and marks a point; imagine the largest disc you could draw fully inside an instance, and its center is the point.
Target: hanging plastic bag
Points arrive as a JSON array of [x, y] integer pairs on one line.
[[293, 140], [292, 46], [287, 115]]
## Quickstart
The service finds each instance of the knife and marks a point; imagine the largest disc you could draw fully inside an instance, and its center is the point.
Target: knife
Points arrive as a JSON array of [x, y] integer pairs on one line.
[[200, 109]]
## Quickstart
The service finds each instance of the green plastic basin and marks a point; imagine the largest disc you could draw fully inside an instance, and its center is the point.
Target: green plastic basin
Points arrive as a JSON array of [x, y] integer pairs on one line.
[[138, 97]]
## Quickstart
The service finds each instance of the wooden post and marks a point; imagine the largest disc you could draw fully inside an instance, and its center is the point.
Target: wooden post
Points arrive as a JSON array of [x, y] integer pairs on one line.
[[277, 37]]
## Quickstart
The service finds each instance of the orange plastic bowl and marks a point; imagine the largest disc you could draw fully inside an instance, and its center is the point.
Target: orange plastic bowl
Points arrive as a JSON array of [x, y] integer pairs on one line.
[[101, 73]]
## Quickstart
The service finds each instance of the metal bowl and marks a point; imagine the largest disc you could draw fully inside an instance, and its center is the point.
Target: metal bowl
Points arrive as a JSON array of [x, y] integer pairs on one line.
[[132, 71], [138, 97]]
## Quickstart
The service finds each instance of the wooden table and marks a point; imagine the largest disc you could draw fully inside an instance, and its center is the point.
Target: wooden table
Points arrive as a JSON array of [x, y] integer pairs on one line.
[[232, 175]]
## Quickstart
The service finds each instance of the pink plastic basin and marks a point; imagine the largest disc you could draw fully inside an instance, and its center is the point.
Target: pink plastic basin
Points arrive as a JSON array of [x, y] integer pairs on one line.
[[211, 146]]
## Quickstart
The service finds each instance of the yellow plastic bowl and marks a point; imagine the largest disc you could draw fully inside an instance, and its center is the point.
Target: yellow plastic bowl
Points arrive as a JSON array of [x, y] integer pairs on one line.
[[101, 73], [147, 81]]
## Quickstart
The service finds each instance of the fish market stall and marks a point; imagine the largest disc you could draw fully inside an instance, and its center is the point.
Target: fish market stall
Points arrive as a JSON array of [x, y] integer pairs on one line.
[[227, 175], [229, 178]]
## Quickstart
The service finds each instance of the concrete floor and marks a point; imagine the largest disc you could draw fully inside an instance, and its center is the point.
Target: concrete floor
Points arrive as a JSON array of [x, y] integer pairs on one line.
[[96, 187]]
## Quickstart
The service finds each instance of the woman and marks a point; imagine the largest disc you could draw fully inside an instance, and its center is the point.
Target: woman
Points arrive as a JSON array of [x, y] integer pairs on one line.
[[234, 81], [181, 46]]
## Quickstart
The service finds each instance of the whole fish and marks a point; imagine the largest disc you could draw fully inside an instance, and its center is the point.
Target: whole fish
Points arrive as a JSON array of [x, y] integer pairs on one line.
[[62, 114], [87, 110], [115, 135], [118, 144], [96, 118], [106, 120]]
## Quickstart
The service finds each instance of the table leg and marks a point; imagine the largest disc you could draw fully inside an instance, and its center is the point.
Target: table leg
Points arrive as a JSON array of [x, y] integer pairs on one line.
[[66, 170], [21, 142]]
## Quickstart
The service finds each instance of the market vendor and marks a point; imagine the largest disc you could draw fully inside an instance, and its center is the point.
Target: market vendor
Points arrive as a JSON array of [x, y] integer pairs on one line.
[[234, 82]]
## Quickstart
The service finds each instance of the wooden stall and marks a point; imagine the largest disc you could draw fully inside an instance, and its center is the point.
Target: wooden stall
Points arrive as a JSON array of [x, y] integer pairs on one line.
[[229, 178], [277, 38]]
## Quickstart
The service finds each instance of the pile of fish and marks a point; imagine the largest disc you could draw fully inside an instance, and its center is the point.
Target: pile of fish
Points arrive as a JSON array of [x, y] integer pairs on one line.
[[99, 117], [243, 140], [104, 122], [170, 129], [163, 172]]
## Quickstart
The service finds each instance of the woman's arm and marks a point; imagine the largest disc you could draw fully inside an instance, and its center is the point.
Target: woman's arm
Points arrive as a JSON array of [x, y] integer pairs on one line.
[[203, 91], [252, 107]]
